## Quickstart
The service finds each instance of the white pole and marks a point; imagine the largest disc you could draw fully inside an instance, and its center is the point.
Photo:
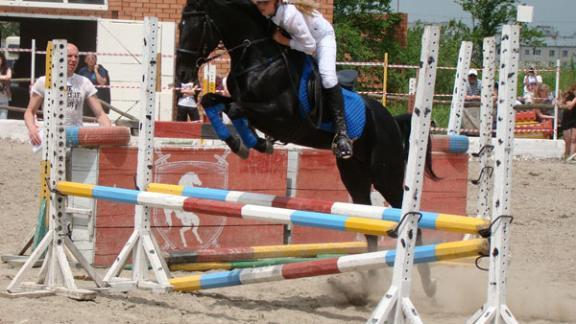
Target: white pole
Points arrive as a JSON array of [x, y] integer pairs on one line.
[[56, 276], [460, 81], [486, 110], [396, 306], [495, 309], [557, 92], [33, 62], [141, 244]]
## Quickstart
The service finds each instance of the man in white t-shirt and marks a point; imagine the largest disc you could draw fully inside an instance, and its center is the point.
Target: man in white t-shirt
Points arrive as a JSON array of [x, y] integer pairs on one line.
[[80, 89]]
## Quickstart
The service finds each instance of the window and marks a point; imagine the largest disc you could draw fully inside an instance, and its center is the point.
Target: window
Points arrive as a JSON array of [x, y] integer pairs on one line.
[[537, 51], [64, 4], [564, 53], [552, 53], [526, 52]]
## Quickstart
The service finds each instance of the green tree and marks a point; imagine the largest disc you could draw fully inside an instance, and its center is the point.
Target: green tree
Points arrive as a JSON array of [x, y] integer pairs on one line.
[[365, 30], [9, 29], [488, 16], [452, 35]]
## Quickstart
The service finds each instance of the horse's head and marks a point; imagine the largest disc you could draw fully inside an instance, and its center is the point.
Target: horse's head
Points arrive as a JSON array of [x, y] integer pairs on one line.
[[206, 23], [199, 36]]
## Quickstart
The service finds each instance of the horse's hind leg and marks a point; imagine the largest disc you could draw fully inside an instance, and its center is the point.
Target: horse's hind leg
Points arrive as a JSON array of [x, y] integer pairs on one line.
[[358, 183]]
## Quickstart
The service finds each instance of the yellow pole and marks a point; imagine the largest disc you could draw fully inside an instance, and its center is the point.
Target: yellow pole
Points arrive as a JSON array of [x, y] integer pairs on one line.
[[385, 81]]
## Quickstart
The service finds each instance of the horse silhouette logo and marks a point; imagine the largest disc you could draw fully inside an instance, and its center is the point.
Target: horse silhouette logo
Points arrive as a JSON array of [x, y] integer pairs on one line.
[[190, 221]]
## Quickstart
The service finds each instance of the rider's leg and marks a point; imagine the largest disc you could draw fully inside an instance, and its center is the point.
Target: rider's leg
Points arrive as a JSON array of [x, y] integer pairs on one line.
[[342, 145], [326, 55]]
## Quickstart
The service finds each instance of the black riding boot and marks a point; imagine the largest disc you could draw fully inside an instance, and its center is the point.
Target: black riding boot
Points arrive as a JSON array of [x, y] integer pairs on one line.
[[342, 144]]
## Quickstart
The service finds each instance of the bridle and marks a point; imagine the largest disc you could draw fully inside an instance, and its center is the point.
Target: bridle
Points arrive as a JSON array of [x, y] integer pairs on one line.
[[209, 28]]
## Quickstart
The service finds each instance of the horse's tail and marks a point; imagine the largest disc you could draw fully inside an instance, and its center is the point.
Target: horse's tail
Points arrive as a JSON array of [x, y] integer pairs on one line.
[[404, 122]]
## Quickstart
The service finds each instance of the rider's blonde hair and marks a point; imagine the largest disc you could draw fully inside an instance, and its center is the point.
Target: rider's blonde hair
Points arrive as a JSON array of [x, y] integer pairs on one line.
[[306, 7]]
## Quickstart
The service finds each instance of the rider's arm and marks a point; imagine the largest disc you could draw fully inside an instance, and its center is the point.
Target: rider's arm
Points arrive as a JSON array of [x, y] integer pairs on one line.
[[294, 23]]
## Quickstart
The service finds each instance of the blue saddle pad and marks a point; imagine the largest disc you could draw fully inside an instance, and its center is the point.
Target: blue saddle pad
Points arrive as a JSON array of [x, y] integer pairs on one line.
[[355, 109]]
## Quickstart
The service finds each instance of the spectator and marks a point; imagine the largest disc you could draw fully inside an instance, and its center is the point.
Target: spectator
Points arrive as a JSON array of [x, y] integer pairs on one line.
[[542, 96], [569, 122], [473, 86], [471, 113], [5, 77], [529, 91], [99, 77], [530, 79], [80, 89], [188, 103]]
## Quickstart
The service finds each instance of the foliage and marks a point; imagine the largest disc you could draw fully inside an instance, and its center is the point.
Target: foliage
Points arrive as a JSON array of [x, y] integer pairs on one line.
[[9, 29], [365, 30], [451, 37], [487, 18]]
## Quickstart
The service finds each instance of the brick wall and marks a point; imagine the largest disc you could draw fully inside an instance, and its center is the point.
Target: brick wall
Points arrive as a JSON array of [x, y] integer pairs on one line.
[[165, 10]]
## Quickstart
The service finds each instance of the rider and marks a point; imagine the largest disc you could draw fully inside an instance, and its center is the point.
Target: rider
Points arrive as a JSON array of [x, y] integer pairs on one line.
[[312, 34]]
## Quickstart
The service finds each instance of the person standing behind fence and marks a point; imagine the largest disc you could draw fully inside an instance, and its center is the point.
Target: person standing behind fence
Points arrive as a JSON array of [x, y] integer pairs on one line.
[[99, 77], [5, 77], [569, 122], [80, 90], [188, 103]]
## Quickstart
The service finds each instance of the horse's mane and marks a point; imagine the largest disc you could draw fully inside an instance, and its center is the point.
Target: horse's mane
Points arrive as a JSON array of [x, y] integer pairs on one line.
[[247, 7]]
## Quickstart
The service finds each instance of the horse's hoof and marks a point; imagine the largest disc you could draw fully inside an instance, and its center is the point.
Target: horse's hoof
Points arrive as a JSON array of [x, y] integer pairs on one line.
[[264, 146], [243, 152], [235, 144]]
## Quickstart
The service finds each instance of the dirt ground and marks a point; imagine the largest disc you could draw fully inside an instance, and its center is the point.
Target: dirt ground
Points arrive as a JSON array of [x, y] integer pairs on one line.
[[541, 282]]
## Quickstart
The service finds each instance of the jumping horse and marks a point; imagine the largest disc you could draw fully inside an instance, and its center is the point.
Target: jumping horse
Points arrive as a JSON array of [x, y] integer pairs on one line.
[[263, 83]]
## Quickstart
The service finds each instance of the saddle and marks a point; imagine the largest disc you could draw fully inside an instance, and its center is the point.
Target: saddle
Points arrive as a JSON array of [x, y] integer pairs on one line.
[[346, 79]]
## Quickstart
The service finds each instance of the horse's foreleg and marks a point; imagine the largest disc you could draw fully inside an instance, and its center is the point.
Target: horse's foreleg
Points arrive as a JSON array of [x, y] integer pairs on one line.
[[247, 133], [213, 108]]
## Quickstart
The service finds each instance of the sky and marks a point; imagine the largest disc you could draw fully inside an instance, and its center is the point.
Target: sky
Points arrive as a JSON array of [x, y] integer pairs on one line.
[[556, 13]]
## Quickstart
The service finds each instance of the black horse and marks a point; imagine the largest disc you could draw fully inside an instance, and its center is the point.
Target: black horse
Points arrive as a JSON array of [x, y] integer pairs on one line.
[[263, 82]]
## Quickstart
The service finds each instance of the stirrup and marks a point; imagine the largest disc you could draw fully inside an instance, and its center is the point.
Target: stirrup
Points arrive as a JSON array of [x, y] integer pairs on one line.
[[342, 146]]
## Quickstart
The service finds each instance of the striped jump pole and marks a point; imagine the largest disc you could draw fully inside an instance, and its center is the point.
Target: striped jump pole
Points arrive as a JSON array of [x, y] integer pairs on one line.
[[226, 209], [366, 261], [454, 144], [265, 252], [97, 136], [430, 220], [207, 266]]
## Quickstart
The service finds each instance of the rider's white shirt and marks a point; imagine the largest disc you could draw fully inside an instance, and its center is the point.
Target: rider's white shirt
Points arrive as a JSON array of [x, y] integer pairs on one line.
[[306, 30]]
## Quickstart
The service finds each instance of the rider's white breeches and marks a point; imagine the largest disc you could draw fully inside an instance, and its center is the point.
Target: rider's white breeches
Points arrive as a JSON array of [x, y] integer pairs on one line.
[[326, 57]]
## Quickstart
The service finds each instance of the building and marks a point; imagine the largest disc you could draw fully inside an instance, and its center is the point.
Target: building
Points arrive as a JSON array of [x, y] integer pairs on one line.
[[556, 47]]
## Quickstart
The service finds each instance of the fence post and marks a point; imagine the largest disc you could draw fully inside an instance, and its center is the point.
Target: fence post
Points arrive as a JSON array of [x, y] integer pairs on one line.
[[457, 107], [557, 92]]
